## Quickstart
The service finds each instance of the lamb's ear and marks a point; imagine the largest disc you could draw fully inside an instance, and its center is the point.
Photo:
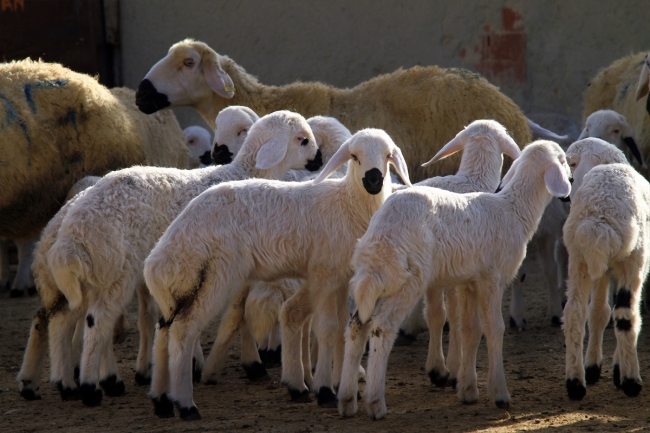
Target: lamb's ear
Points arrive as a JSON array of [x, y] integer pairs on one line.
[[456, 144], [218, 79], [557, 181], [337, 160], [271, 153], [509, 147], [644, 81], [584, 134], [397, 159], [508, 177]]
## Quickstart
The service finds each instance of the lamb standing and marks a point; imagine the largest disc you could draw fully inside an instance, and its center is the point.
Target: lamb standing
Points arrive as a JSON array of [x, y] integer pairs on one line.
[[423, 237], [606, 234]]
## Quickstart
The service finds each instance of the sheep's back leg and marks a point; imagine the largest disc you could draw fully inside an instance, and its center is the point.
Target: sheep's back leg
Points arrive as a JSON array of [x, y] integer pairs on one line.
[[250, 357], [599, 315], [29, 376], [159, 392], [549, 268], [343, 312], [306, 352], [436, 314], [454, 352], [63, 356], [147, 315], [470, 337]]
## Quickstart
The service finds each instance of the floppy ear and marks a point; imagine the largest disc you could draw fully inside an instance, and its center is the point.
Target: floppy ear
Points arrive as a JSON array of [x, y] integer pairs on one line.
[[271, 153], [456, 144], [509, 147], [337, 160], [397, 159], [583, 134], [218, 80], [557, 181], [644, 82]]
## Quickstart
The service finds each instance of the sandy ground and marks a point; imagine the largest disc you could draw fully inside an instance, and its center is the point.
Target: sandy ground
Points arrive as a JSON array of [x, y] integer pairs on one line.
[[534, 365]]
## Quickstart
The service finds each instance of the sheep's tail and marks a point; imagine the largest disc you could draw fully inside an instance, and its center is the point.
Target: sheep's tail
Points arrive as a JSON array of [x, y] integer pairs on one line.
[[158, 276], [262, 310], [69, 263], [603, 243]]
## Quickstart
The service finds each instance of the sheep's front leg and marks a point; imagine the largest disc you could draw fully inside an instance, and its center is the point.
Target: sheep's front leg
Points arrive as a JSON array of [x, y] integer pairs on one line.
[[343, 312], [599, 315], [356, 336], [470, 337], [250, 357], [147, 313], [326, 328], [454, 353], [517, 310], [306, 352], [627, 326], [575, 317], [295, 311], [436, 315], [29, 376]]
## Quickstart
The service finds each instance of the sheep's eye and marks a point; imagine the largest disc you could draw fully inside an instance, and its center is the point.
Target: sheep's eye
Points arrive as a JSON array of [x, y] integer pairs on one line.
[[616, 131], [572, 165], [188, 62], [191, 141], [304, 142]]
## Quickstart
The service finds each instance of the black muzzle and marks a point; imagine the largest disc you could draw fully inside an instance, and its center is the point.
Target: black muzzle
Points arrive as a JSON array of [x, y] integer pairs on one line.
[[206, 158], [148, 99], [373, 181], [316, 163], [221, 154]]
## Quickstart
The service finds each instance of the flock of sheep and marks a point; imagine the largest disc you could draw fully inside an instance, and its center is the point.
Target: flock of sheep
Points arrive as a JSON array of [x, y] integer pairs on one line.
[[301, 229]]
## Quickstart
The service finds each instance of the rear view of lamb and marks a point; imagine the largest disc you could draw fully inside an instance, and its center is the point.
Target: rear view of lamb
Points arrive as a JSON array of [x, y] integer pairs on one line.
[[421, 108], [97, 259], [249, 231], [607, 236], [423, 238], [197, 140]]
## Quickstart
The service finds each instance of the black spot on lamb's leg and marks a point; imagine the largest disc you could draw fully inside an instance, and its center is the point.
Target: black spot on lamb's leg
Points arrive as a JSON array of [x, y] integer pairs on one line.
[[90, 320], [163, 407], [299, 396], [326, 397], [188, 413], [404, 339], [592, 374], [555, 321], [623, 324], [616, 376], [438, 379], [16, 293], [622, 298], [112, 386], [256, 372], [575, 389], [196, 371], [631, 387], [91, 396]]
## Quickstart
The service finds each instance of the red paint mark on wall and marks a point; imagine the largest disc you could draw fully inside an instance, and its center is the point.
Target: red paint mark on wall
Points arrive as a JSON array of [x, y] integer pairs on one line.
[[12, 5], [503, 51]]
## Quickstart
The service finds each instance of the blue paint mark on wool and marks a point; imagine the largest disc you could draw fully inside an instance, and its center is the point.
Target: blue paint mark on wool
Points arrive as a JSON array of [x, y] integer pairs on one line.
[[49, 83], [624, 92], [11, 117], [71, 118]]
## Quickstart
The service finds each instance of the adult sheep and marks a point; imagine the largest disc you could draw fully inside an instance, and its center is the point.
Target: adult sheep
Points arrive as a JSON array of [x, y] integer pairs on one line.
[[421, 108], [58, 126]]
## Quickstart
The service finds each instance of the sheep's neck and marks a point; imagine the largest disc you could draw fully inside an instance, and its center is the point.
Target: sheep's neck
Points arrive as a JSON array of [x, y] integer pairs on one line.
[[529, 197], [360, 203], [246, 160], [483, 166]]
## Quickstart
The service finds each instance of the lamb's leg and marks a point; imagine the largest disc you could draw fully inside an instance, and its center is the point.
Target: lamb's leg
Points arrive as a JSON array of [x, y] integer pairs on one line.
[[356, 336], [159, 392], [274, 347], [454, 353], [470, 337], [326, 330], [517, 310], [147, 315], [250, 357], [62, 354], [306, 352], [78, 345], [599, 315], [627, 326], [343, 313], [490, 294], [575, 317], [385, 326], [29, 377], [198, 361], [549, 267], [411, 327], [112, 384], [295, 311], [561, 256], [24, 280], [436, 315]]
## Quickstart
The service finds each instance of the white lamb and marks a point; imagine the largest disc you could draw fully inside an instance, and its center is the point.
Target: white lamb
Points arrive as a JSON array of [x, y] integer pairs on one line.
[[197, 140], [423, 238], [100, 248], [264, 230], [607, 235], [231, 128]]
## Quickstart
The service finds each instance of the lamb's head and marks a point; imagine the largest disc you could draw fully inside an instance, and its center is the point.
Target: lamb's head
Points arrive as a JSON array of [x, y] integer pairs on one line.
[[278, 142], [232, 126], [547, 159], [486, 134], [644, 82], [613, 128], [189, 74], [330, 135], [585, 154], [197, 140], [370, 151]]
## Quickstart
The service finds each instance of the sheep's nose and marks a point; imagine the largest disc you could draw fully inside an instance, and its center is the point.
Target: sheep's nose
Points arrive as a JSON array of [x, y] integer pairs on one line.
[[206, 158], [148, 99], [373, 181], [316, 163], [221, 154]]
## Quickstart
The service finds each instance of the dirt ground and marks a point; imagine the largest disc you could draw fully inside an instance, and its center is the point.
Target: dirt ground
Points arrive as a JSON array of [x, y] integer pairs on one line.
[[534, 365]]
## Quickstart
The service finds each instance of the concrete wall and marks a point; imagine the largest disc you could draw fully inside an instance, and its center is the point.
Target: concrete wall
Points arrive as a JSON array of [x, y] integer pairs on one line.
[[540, 53]]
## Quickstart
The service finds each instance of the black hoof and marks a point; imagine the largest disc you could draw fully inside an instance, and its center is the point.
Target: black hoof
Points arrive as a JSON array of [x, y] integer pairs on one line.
[[15, 293], [263, 353], [575, 390], [592, 374], [502, 404], [91, 396], [142, 379], [163, 407], [68, 394], [273, 358], [196, 372], [31, 291], [30, 394], [299, 396], [256, 372], [112, 386], [404, 339], [616, 376], [438, 379], [189, 413], [452, 382], [76, 375], [326, 397], [555, 321], [631, 387]]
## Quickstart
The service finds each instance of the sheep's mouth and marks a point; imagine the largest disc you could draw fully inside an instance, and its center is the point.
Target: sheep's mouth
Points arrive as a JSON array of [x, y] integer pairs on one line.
[[206, 159], [373, 181], [316, 163], [148, 99], [221, 155]]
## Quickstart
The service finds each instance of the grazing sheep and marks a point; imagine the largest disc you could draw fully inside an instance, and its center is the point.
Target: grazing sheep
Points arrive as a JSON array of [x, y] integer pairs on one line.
[[423, 238], [97, 258], [197, 140], [606, 235], [421, 108], [264, 230], [612, 127]]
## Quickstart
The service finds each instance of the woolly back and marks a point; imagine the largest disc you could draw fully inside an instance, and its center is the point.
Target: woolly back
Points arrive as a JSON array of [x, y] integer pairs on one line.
[[585, 154]]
